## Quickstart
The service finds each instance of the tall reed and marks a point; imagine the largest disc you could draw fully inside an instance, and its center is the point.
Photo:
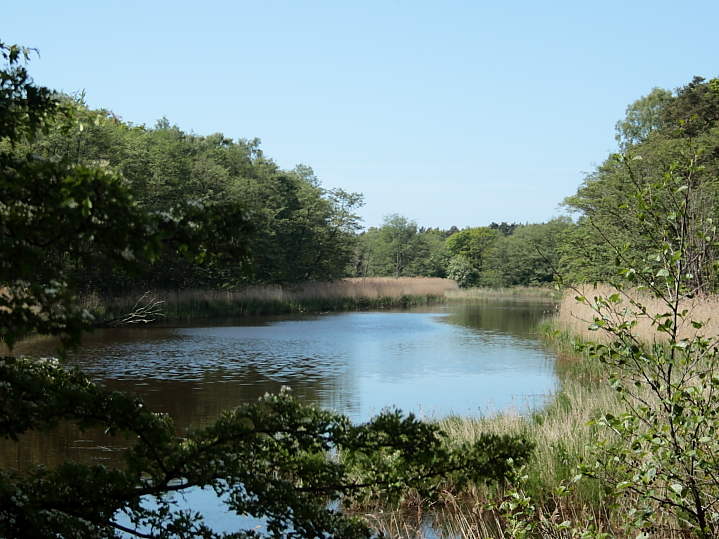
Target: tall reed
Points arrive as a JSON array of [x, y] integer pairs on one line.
[[346, 294], [576, 317], [516, 292], [562, 435]]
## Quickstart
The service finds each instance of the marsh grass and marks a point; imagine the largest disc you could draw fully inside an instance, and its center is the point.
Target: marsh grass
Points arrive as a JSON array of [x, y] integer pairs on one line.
[[518, 292], [343, 295], [561, 434], [575, 317]]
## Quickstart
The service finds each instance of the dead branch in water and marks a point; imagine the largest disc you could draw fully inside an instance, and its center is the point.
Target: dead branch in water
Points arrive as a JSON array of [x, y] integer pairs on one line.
[[140, 314]]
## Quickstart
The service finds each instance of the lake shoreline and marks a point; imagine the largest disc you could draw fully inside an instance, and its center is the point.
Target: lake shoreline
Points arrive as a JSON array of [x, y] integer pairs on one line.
[[354, 294]]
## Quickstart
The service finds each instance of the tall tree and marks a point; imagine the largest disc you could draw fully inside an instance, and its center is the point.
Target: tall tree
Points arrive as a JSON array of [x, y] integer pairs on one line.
[[396, 247], [528, 257], [473, 244], [643, 117]]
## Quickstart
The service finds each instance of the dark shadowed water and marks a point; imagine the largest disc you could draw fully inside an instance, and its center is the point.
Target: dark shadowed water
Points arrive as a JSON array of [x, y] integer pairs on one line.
[[460, 358]]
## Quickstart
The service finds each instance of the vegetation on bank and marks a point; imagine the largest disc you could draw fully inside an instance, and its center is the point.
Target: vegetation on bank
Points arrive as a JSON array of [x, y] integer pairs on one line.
[[634, 450], [341, 295], [563, 491], [268, 460], [558, 430], [483, 293], [351, 294]]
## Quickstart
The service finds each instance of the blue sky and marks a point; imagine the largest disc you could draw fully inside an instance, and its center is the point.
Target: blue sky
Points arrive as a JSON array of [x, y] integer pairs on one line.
[[450, 113]]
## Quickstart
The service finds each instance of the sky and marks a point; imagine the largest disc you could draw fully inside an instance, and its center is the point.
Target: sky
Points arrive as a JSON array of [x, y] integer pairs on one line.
[[453, 113]]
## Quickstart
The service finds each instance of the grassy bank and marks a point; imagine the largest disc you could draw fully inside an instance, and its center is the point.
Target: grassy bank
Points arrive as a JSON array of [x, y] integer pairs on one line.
[[343, 295], [560, 433], [517, 292], [545, 493]]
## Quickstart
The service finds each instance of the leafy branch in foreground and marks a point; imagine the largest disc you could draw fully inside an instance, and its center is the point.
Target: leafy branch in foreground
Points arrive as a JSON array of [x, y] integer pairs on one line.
[[662, 455], [275, 459]]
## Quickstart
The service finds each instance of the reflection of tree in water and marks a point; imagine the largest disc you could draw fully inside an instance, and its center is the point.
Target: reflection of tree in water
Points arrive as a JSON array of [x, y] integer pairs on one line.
[[195, 404], [66, 442], [191, 404], [193, 374], [518, 318]]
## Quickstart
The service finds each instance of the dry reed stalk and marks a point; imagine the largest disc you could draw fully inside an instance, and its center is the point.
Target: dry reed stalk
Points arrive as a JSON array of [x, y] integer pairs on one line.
[[377, 287], [374, 287], [576, 317]]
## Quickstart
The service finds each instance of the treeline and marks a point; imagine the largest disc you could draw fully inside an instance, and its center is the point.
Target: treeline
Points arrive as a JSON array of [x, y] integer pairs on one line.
[[497, 255], [662, 133], [301, 230], [305, 232]]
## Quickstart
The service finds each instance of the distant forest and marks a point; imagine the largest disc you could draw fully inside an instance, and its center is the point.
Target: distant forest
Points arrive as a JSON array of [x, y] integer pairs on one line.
[[305, 232]]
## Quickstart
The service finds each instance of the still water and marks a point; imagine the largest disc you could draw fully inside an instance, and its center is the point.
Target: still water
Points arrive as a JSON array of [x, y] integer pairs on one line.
[[460, 358]]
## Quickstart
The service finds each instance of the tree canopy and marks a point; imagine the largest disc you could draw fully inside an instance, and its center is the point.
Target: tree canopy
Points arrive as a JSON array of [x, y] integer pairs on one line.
[[661, 131]]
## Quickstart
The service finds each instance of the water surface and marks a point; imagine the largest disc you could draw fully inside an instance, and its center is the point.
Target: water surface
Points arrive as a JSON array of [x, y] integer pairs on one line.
[[458, 358]]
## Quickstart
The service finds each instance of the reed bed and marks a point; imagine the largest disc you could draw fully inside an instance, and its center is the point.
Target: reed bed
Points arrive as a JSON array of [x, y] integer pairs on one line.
[[561, 435], [517, 292], [343, 295], [576, 317], [558, 430]]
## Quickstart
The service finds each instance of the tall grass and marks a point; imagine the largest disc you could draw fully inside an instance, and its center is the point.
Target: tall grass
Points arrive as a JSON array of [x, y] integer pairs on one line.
[[517, 292], [576, 317], [343, 295], [561, 435]]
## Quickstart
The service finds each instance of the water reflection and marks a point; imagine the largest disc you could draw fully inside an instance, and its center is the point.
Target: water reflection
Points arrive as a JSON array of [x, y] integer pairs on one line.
[[462, 358]]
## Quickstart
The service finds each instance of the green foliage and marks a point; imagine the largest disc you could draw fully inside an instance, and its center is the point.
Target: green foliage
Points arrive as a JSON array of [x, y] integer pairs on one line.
[[528, 257], [473, 244], [271, 459], [643, 117], [663, 449], [399, 249], [275, 459], [57, 217], [305, 232], [604, 227], [461, 270]]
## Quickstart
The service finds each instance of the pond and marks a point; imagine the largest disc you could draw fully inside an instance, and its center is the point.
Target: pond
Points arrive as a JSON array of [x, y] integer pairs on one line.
[[466, 359]]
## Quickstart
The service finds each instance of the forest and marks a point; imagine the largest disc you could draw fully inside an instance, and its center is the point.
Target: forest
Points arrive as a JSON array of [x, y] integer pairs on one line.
[[306, 232], [301, 230]]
